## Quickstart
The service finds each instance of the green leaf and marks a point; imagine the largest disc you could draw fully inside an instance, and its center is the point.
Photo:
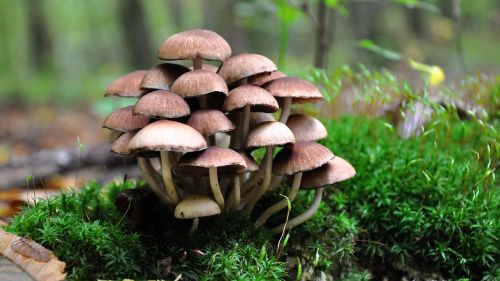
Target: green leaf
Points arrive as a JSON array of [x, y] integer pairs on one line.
[[369, 45]]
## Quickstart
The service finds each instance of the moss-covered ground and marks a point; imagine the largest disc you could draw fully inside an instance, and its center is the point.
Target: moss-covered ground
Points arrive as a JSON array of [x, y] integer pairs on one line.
[[430, 202]]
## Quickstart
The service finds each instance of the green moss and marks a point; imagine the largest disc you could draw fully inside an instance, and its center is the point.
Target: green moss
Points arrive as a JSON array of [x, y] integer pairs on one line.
[[430, 201]]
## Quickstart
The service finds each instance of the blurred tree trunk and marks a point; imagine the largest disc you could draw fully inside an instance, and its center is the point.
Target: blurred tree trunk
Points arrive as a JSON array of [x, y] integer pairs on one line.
[[136, 34], [324, 34], [363, 21], [416, 22], [40, 41], [176, 13]]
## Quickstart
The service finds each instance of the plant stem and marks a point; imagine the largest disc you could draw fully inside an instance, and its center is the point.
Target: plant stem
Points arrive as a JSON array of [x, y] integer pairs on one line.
[[148, 173], [197, 63], [285, 112], [281, 204], [214, 185], [167, 177], [302, 217], [194, 227], [268, 165]]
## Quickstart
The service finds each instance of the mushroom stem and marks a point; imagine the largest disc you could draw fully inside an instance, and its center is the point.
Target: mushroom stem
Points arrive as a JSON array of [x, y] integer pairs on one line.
[[234, 196], [236, 141], [166, 172], [148, 173], [197, 63], [281, 204], [253, 180], [302, 217], [268, 164], [285, 112], [214, 185], [275, 182], [245, 122], [194, 227]]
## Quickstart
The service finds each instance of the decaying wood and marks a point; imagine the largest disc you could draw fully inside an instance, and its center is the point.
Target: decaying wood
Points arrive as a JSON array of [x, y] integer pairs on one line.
[[58, 161], [53, 269]]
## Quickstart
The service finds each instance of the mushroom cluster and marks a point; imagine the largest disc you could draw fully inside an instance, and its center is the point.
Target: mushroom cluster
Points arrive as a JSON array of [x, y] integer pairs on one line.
[[203, 124]]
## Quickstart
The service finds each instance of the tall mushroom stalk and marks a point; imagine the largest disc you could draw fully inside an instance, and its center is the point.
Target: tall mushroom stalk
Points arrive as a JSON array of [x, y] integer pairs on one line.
[[166, 172], [282, 203], [302, 217], [214, 185], [149, 176]]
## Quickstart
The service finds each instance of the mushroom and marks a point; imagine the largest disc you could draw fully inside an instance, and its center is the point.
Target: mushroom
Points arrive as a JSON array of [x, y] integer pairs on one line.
[[161, 103], [166, 136], [213, 159], [162, 76], [209, 67], [336, 170], [306, 128], [194, 207], [268, 135], [121, 146], [235, 195], [123, 120], [295, 159], [209, 122], [245, 65], [249, 98], [129, 85], [196, 45], [199, 83], [292, 89]]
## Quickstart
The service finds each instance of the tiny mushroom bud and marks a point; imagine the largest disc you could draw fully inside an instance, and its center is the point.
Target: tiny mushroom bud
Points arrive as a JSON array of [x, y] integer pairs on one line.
[[195, 207]]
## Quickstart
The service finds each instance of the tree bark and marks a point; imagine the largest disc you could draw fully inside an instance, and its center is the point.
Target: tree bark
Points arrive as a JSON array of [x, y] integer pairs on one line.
[[40, 42], [136, 34]]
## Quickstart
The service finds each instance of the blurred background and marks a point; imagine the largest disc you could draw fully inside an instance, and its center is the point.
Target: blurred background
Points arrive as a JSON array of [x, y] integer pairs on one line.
[[57, 57]]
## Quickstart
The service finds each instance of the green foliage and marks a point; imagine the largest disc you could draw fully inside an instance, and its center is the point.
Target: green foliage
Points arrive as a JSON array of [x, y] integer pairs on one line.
[[431, 200]]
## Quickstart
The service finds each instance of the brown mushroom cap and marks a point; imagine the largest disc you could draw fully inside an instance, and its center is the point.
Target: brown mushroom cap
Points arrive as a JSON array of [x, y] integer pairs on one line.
[[270, 133], [123, 120], [166, 135], [299, 89], [300, 157], [263, 78], [225, 160], [335, 170], [258, 99], [306, 128], [193, 44], [161, 103], [128, 85], [198, 83], [120, 145], [196, 206], [162, 76], [210, 121], [245, 65]]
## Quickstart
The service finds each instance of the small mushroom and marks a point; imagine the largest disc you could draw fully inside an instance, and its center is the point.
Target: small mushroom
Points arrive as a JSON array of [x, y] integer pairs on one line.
[[295, 159], [129, 85], [161, 104], [167, 136], [245, 65], [334, 171], [196, 45], [194, 207], [212, 160], [123, 120], [209, 122], [292, 89], [262, 78], [268, 135], [306, 128], [249, 98], [199, 83]]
